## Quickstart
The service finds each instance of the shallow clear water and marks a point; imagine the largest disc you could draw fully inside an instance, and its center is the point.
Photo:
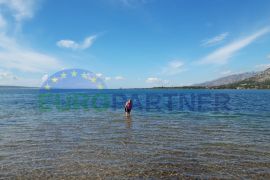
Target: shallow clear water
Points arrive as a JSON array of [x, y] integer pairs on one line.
[[151, 143]]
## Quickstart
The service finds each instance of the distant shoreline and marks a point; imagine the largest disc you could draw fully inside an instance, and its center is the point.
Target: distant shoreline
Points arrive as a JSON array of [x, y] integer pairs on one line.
[[152, 88], [210, 88], [19, 87]]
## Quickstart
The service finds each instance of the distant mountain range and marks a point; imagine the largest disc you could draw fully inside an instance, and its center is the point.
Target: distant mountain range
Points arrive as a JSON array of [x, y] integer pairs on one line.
[[227, 80], [260, 80], [249, 80]]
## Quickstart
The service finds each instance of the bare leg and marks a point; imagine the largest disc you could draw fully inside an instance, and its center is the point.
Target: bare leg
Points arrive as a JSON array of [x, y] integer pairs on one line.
[[127, 113], [128, 122]]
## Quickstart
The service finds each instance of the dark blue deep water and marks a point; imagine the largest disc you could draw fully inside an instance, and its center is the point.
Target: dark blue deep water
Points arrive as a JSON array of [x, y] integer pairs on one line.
[[222, 134]]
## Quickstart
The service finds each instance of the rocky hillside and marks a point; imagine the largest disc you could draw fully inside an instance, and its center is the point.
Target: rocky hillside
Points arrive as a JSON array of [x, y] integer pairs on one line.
[[227, 80], [259, 81]]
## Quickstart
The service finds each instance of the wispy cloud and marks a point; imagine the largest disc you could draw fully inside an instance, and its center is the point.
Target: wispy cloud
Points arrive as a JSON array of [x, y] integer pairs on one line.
[[108, 78], [262, 66], [5, 75], [156, 81], [227, 72], [20, 9], [173, 67], [14, 55], [268, 57], [119, 78], [2, 23], [8, 78], [99, 75], [14, 12], [153, 80], [215, 40], [70, 44], [44, 78], [223, 54]]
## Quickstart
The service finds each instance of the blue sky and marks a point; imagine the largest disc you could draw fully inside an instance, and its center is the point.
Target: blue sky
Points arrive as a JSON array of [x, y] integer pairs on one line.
[[133, 43]]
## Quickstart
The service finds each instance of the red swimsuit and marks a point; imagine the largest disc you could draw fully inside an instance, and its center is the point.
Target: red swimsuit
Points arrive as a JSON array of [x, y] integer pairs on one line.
[[128, 107]]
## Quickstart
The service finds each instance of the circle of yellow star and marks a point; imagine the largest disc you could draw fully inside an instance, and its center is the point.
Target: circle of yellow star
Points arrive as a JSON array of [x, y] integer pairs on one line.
[[94, 79], [47, 87], [100, 86], [54, 79], [63, 75], [73, 73]]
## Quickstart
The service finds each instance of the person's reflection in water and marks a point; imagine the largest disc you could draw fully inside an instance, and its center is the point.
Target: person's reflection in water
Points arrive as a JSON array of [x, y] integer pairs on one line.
[[128, 121]]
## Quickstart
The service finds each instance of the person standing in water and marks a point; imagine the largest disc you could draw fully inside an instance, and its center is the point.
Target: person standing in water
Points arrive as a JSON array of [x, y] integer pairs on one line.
[[128, 107]]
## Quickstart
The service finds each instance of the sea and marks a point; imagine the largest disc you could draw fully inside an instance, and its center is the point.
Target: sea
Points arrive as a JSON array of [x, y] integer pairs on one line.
[[170, 133]]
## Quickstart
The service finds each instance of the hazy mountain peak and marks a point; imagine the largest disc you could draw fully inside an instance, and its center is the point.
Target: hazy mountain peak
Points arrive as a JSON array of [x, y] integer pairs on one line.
[[228, 79]]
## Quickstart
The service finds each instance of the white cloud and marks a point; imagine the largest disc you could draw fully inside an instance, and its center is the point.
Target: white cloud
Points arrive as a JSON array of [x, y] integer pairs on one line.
[[268, 57], [153, 80], [7, 78], [44, 77], [67, 44], [119, 78], [87, 42], [14, 56], [3, 22], [262, 66], [222, 55], [14, 12], [227, 72], [99, 74], [20, 9], [173, 68], [108, 78], [5, 75], [28, 61], [21, 81], [156, 81], [215, 40]]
